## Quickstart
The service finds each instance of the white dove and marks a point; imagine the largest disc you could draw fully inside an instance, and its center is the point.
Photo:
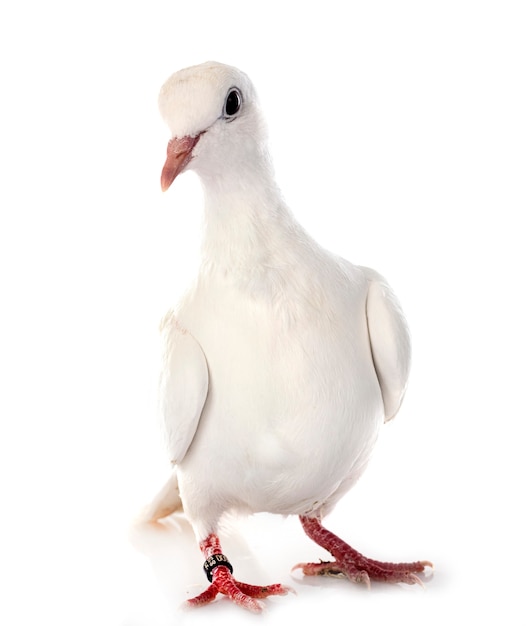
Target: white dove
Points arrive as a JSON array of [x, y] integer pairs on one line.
[[281, 362]]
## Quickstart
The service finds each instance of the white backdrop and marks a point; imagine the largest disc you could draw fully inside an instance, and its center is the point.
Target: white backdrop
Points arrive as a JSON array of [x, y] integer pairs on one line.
[[398, 133]]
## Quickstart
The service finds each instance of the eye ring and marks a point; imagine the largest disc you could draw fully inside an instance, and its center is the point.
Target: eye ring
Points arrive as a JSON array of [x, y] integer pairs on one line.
[[233, 103]]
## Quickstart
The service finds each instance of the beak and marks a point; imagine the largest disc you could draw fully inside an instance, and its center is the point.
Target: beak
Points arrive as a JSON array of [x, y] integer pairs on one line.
[[178, 155]]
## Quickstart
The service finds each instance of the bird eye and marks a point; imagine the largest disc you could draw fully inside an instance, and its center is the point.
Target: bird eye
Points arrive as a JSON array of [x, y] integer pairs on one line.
[[232, 102]]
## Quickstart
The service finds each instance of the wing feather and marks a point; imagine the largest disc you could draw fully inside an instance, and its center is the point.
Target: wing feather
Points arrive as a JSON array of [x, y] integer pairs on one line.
[[390, 342], [183, 386]]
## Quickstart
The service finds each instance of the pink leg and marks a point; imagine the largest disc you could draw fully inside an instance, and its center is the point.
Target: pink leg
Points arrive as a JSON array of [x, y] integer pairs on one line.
[[351, 563], [223, 582]]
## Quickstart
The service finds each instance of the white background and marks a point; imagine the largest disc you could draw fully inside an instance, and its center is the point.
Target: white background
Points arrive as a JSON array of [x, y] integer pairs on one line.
[[398, 133]]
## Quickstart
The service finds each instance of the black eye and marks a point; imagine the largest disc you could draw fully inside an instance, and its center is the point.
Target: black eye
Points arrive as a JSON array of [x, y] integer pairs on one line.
[[232, 102]]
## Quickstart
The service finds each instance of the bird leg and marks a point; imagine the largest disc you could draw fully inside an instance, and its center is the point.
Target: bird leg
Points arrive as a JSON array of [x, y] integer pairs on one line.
[[352, 564], [219, 572]]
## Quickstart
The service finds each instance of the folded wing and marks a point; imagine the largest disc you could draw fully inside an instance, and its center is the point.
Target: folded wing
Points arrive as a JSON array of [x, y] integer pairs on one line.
[[183, 386], [390, 342]]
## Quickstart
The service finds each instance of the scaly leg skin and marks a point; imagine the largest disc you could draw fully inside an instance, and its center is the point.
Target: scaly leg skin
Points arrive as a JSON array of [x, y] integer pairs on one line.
[[223, 582], [351, 563]]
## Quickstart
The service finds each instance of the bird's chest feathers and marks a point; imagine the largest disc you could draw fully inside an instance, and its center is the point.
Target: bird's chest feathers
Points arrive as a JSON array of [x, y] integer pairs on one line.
[[289, 366], [274, 330]]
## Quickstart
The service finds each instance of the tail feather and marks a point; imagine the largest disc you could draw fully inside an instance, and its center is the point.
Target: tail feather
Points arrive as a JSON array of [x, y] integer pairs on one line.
[[166, 502]]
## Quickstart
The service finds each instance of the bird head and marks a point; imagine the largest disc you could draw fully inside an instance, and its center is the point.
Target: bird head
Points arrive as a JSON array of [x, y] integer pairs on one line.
[[213, 116]]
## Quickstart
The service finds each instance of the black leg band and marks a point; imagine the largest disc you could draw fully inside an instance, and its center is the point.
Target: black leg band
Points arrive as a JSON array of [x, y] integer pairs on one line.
[[215, 561]]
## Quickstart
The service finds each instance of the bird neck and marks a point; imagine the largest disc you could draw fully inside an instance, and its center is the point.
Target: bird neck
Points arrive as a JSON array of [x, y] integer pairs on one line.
[[246, 221]]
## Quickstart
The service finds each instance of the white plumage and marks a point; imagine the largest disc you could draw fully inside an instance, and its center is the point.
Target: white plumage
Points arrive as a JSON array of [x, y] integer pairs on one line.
[[282, 360]]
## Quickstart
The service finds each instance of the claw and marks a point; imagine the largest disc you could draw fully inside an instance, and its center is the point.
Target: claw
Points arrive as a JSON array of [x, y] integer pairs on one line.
[[298, 566], [362, 577], [413, 579]]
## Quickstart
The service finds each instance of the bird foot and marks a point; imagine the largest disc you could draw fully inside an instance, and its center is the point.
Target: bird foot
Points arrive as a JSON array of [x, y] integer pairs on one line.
[[240, 593], [353, 565], [223, 582]]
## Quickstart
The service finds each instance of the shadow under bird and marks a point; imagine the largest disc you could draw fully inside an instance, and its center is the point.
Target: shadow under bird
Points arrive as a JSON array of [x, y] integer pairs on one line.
[[281, 362]]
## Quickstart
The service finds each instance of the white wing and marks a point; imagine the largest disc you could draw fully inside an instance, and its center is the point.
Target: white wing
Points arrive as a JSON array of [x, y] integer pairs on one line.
[[183, 386], [390, 342]]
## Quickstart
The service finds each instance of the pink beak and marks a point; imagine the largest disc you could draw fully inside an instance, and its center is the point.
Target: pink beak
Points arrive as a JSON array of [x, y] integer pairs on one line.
[[178, 155]]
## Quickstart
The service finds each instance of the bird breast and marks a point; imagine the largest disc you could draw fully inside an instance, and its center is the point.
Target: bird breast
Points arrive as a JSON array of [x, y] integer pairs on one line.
[[293, 397]]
